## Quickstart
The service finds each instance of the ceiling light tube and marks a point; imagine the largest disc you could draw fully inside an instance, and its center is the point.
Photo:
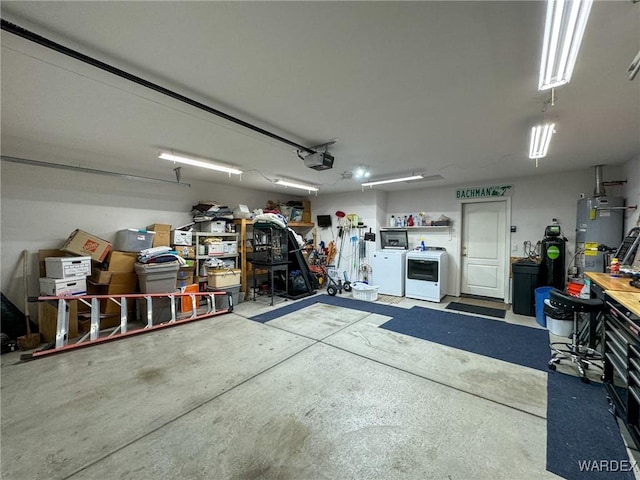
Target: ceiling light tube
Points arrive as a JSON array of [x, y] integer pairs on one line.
[[198, 163], [540, 139], [301, 186], [564, 27], [393, 180]]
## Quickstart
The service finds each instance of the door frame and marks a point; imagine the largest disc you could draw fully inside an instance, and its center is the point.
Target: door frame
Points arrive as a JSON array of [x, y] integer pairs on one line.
[[507, 241]]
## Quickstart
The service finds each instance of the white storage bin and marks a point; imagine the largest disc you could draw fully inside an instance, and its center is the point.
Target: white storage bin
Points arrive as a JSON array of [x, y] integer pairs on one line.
[[182, 237], [132, 240], [222, 248], [362, 291], [63, 286], [214, 226], [67, 267]]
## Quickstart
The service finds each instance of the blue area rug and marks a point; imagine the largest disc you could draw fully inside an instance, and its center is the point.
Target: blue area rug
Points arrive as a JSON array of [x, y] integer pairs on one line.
[[524, 346], [583, 439]]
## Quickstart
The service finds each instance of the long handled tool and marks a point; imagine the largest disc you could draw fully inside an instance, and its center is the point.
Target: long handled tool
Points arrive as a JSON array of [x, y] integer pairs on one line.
[[30, 340]]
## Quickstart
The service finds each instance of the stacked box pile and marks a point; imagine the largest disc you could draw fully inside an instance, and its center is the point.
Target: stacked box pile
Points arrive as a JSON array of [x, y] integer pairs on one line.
[[60, 275], [114, 277]]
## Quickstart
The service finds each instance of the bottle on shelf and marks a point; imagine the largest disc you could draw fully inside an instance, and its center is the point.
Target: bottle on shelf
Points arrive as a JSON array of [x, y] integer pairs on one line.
[[410, 221], [392, 221], [614, 268]]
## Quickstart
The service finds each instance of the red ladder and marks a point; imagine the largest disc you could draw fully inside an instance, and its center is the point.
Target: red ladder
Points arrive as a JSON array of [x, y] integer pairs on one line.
[[191, 310]]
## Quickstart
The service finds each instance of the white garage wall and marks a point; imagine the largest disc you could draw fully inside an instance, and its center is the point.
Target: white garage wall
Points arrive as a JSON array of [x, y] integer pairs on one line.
[[535, 202], [42, 206], [631, 191]]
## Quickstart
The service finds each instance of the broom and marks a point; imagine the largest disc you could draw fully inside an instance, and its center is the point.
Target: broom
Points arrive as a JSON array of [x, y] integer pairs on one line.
[[30, 340]]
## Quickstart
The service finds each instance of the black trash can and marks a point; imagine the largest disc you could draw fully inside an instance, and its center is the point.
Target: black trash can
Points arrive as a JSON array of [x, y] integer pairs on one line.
[[525, 282]]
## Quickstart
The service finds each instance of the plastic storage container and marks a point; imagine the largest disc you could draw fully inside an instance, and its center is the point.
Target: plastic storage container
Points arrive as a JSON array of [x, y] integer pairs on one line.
[[222, 301], [559, 322], [362, 291], [132, 240], [542, 294], [219, 278], [157, 277], [161, 310]]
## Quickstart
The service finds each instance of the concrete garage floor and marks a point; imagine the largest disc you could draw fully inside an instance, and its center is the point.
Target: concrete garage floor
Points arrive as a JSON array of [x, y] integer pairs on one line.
[[319, 393]]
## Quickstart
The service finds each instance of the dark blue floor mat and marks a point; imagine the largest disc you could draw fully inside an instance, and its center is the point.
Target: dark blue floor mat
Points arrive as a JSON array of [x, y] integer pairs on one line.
[[580, 429], [524, 346], [582, 433]]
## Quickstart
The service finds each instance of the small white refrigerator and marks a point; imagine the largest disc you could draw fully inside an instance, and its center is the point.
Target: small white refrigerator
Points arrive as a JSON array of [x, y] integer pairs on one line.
[[388, 266]]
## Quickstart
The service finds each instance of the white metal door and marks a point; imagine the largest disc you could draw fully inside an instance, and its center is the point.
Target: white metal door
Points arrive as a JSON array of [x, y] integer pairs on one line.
[[483, 248]]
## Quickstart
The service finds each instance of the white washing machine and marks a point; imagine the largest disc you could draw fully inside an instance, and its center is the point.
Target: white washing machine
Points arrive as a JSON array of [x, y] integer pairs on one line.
[[388, 265], [388, 271], [426, 274]]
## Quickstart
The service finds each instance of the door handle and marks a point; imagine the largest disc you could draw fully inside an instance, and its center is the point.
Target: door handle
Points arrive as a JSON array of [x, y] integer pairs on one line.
[[464, 251]]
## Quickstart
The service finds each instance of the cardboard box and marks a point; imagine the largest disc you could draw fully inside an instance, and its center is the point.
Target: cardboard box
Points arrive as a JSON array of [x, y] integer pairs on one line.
[[100, 277], [223, 278], [67, 267], [163, 234], [222, 248], [122, 262], [185, 276], [44, 254], [63, 286], [185, 252], [48, 320], [134, 240], [186, 280], [214, 226], [83, 243], [119, 283], [181, 237]]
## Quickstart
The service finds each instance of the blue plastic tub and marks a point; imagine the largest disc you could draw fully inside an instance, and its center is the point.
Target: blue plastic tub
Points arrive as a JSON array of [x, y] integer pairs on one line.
[[542, 293]]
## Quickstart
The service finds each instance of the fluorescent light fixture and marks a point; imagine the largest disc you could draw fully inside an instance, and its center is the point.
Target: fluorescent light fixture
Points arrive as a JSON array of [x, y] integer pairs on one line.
[[393, 180], [301, 186], [563, 30], [540, 139], [198, 163]]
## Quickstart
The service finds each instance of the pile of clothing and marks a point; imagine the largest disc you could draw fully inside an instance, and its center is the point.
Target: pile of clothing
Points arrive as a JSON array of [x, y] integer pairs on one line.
[[160, 255], [273, 219], [207, 211]]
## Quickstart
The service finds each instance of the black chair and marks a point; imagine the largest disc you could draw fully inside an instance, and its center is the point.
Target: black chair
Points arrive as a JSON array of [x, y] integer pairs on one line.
[[580, 355]]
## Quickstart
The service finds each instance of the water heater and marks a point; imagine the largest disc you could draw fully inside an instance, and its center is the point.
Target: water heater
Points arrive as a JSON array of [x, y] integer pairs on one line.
[[600, 222]]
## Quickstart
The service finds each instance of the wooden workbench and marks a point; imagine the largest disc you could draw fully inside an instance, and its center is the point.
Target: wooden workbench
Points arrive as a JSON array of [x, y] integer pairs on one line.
[[629, 300], [607, 282]]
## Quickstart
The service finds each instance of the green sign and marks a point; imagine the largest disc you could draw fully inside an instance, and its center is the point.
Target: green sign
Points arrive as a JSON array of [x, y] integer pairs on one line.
[[553, 252], [483, 192]]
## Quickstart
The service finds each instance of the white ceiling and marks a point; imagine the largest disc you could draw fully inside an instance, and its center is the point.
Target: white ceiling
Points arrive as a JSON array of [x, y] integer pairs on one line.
[[440, 88]]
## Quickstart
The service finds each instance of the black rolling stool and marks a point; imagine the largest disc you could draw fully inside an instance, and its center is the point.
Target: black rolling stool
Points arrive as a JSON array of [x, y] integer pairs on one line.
[[581, 356]]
